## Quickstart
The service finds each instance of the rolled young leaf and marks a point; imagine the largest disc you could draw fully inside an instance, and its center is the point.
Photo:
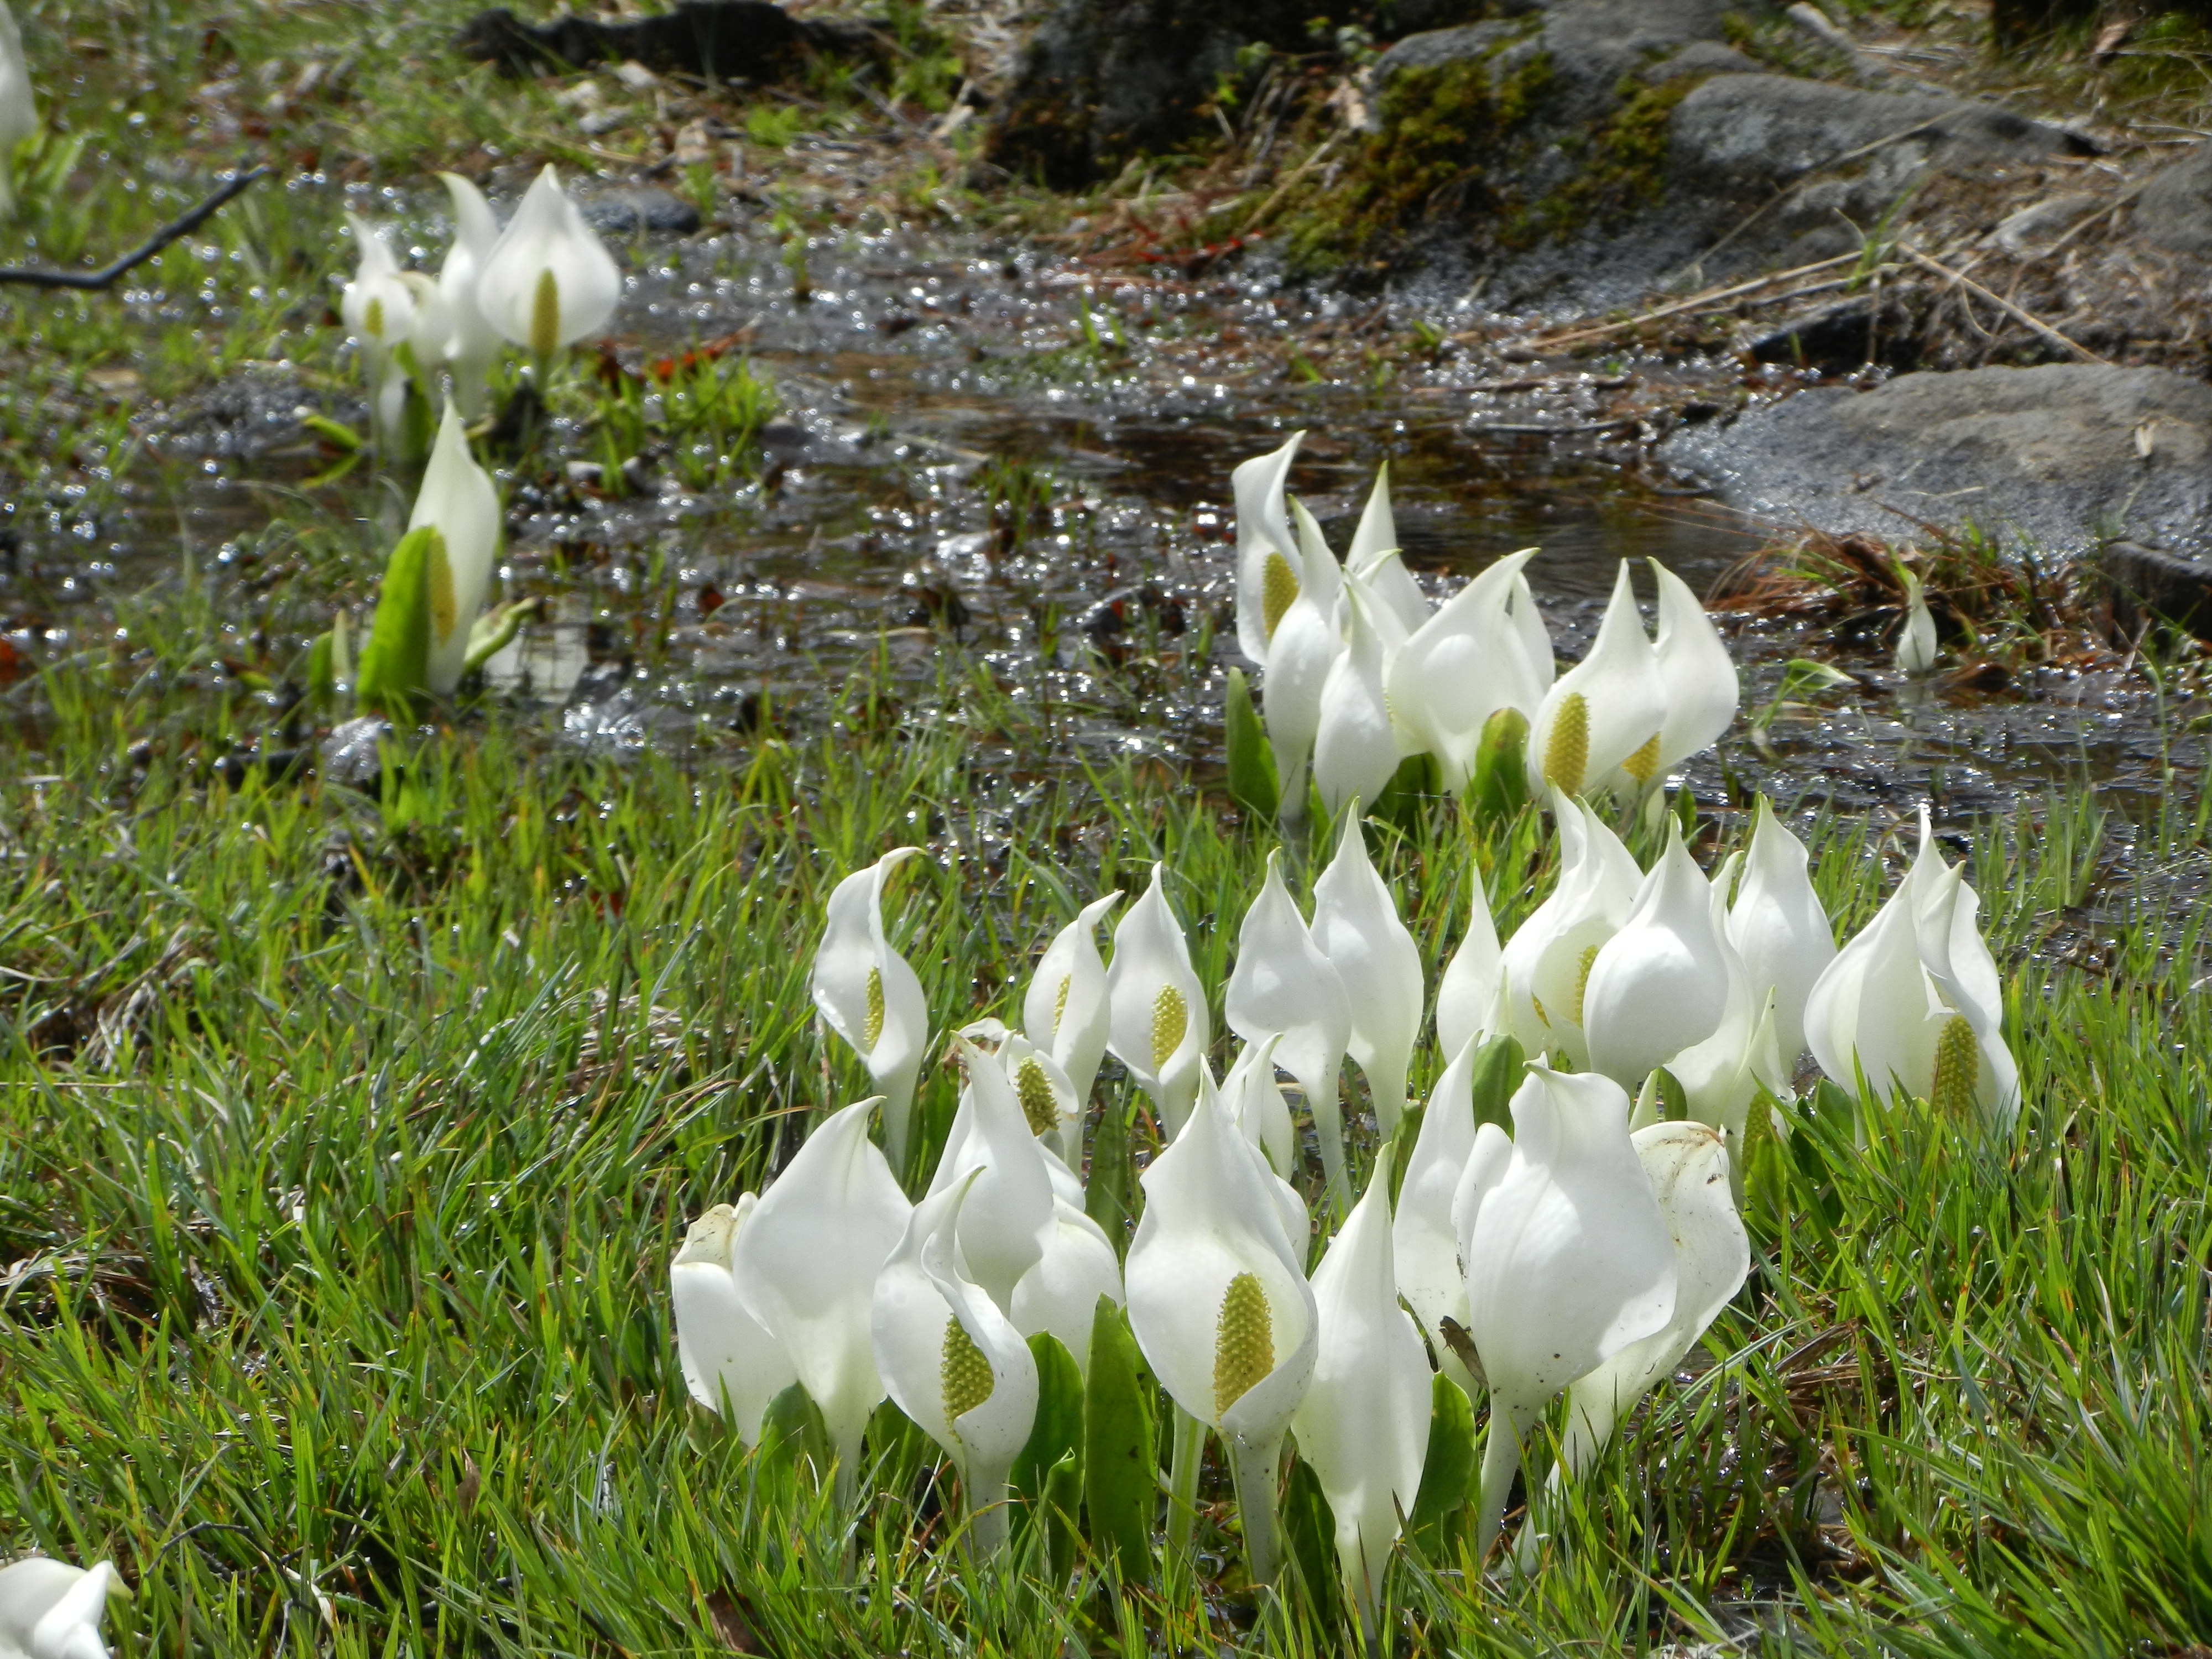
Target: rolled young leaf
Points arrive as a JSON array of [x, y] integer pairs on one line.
[[1121, 1460], [1252, 783], [395, 658]]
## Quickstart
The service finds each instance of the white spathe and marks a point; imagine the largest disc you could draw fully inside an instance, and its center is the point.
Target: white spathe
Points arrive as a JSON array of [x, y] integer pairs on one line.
[[549, 281], [1065, 1011], [1568, 1259], [1159, 1023], [1283, 987], [805, 1264], [1060, 1293], [1355, 745], [1545, 965], [1003, 1221], [730, 1363], [1661, 984], [457, 498], [1269, 574], [1424, 1237], [1918, 654], [1357, 926], [1778, 923], [1306, 644], [51, 1610], [1364, 1423], [1702, 690], [1254, 1099], [1467, 1006], [474, 344], [1600, 722], [1463, 663], [377, 308], [868, 994], [1372, 544]]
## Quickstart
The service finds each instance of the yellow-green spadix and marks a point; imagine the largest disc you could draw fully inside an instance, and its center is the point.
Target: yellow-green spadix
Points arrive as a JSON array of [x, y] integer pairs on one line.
[[549, 281], [1158, 1024], [730, 1363], [1600, 721], [868, 994], [1064, 1012]]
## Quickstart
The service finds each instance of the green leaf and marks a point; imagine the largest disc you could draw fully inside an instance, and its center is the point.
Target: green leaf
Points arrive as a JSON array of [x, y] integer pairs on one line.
[[1499, 783], [1310, 1540], [1402, 1146], [1448, 1468], [325, 428], [1499, 1069], [1253, 783], [494, 631], [792, 1431], [1121, 1463], [395, 661], [1410, 786], [322, 673], [1109, 1197], [1063, 1508], [1057, 1432]]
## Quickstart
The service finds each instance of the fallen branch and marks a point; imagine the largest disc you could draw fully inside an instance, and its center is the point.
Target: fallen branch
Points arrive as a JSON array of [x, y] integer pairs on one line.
[[2015, 312], [107, 276], [1695, 302]]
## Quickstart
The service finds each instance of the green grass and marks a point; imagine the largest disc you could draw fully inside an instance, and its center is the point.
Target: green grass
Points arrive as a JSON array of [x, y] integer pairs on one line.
[[347, 1145]]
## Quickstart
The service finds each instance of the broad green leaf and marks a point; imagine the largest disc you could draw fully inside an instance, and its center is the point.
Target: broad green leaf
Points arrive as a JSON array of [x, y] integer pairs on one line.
[[1253, 783], [1109, 1197], [395, 662], [1448, 1468], [1500, 782], [1310, 1540], [1499, 1067], [1121, 1479], [1058, 1431]]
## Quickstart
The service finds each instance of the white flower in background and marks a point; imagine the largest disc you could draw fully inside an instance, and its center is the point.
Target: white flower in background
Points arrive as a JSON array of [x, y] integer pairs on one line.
[[1060, 1293], [19, 104], [458, 499], [434, 326], [1661, 984], [1918, 654], [1364, 1423], [1372, 544], [1285, 987], [1700, 676], [1535, 637], [1423, 1235], [1980, 1073], [1065, 1012], [1357, 926], [1159, 1026], [1467, 997], [950, 1360], [51, 1610], [1254, 1099], [1269, 574], [1568, 1259], [1220, 1306], [805, 1264], [1049, 1103], [991, 1143], [731, 1363], [869, 997], [1461, 665], [1722, 1076], [549, 281], [1601, 719], [1778, 925], [1547, 963], [377, 308], [1356, 746], [473, 345], [1307, 642]]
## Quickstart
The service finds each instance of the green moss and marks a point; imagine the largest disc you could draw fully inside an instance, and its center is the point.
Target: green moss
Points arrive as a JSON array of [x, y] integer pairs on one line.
[[1445, 130], [1624, 164]]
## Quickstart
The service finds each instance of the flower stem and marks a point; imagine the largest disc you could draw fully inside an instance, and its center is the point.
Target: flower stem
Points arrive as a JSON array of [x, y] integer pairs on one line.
[[1501, 1461], [1189, 1450], [1253, 1468], [985, 1489]]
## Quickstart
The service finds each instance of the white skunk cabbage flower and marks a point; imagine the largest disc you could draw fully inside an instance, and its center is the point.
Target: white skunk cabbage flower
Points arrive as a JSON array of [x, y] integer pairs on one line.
[[549, 281], [458, 499], [1661, 984], [1158, 1024], [1060, 1293], [806, 1261], [1688, 1167], [474, 344], [1424, 1237], [1356, 924], [1064, 1012], [1568, 1259], [1547, 961], [1373, 543], [1049, 1103], [1600, 721], [1535, 637], [51, 1610], [1777, 924], [1220, 1306], [1364, 1423], [869, 996], [1917, 654], [1702, 690], [1306, 643], [1958, 964], [378, 306], [1722, 1076], [731, 1363], [19, 104], [1461, 665], [1467, 1006], [1004, 1220], [1283, 987], [1269, 574], [1254, 1099], [952, 1360], [1356, 745]]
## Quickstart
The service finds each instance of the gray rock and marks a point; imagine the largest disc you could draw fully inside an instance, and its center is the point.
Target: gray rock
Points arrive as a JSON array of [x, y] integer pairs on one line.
[[1698, 57], [2040, 224], [2064, 455], [626, 211], [353, 754], [2149, 584], [2174, 212]]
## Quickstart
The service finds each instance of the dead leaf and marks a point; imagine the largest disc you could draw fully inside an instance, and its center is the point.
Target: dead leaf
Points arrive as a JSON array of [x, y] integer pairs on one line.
[[2109, 40], [731, 1625], [2146, 438]]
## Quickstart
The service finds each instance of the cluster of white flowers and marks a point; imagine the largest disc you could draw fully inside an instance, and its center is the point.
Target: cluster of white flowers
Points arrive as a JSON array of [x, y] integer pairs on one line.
[[1586, 1250], [1360, 673], [544, 282]]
